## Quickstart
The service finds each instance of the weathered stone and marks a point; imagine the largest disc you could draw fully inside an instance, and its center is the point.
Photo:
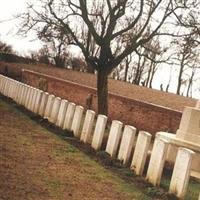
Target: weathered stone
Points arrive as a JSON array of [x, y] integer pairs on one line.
[[86, 134], [4, 86], [197, 104], [28, 96], [18, 92], [22, 94], [114, 138], [55, 109], [157, 161], [189, 128], [1, 82], [76, 123], [8, 88], [43, 103], [34, 99], [5, 82], [49, 105], [127, 144], [30, 100], [99, 132], [175, 143], [181, 173], [69, 116], [141, 152], [37, 101], [62, 113]]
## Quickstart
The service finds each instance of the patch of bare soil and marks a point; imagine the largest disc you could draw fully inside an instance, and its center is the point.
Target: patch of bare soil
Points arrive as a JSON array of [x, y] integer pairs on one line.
[[36, 164]]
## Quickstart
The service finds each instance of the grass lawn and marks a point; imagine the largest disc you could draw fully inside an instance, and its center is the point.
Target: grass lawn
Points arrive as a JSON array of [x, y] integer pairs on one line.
[[36, 163]]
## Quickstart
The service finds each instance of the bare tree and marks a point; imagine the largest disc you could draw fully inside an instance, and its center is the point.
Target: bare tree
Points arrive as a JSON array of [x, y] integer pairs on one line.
[[186, 55], [5, 48], [97, 26], [43, 55]]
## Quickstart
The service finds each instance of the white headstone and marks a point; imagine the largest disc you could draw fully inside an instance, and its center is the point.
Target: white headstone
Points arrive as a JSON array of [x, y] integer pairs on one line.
[[25, 95], [18, 92], [37, 101], [28, 96], [15, 89], [34, 99], [127, 144], [4, 86], [43, 103], [30, 99], [49, 105], [99, 132], [1, 82], [86, 134], [7, 88], [22, 94], [141, 152], [11, 89], [114, 138], [62, 113], [55, 110], [69, 116], [76, 123], [157, 161], [181, 173]]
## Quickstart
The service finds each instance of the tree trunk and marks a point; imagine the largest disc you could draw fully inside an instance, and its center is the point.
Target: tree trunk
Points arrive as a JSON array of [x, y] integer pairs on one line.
[[152, 76], [179, 82], [167, 88], [190, 84], [180, 76], [102, 91], [126, 70], [149, 75]]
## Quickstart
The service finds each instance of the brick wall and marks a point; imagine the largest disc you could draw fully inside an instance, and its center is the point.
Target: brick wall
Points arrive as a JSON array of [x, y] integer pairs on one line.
[[142, 115]]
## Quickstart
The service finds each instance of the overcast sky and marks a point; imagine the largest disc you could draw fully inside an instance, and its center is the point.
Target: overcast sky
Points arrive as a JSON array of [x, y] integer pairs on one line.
[[8, 27]]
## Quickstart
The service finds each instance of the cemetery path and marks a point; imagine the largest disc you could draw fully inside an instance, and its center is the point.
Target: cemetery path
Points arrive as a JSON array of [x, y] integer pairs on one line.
[[38, 165]]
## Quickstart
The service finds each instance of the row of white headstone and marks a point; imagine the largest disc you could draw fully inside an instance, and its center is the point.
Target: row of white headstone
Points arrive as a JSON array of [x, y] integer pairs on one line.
[[120, 145]]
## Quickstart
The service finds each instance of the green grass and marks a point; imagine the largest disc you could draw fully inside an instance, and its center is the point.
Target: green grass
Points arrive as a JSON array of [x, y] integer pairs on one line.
[[193, 188], [93, 170], [63, 151]]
